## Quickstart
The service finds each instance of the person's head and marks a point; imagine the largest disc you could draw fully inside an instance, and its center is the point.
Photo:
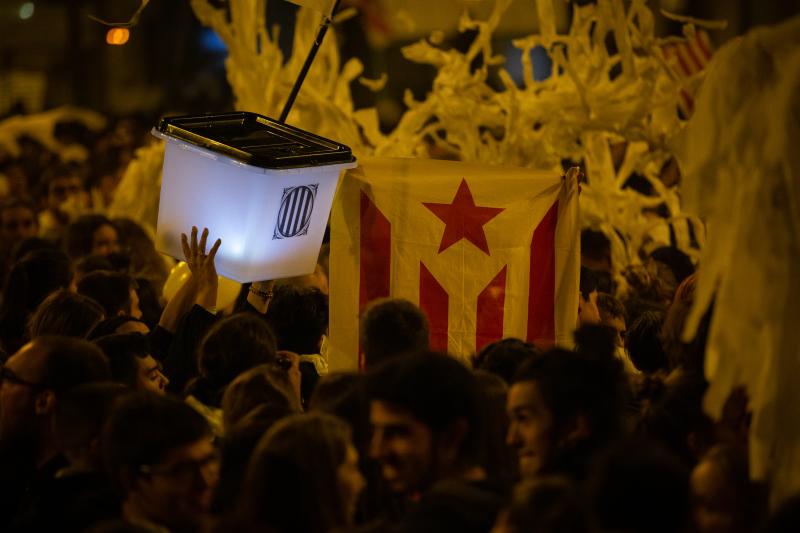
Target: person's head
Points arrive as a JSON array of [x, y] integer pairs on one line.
[[263, 386], [595, 250], [499, 459], [426, 420], [673, 266], [31, 279], [132, 362], [118, 324], [232, 346], [545, 505], [80, 415], [563, 406], [303, 476], [61, 183], [503, 357], [672, 414], [724, 500], [35, 377], [643, 343], [298, 317], [392, 327], [612, 315], [92, 234], [115, 291], [18, 222], [639, 487], [65, 313], [342, 394], [159, 453]]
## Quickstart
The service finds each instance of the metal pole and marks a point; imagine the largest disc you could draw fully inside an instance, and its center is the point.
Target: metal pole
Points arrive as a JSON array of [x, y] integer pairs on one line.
[[323, 29]]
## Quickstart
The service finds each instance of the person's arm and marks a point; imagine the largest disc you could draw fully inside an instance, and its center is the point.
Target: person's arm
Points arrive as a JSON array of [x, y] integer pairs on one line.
[[260, 295]]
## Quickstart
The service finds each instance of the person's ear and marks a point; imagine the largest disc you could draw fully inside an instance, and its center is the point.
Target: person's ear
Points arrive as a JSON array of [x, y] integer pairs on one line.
[[581, 430], [450, 441], [45, 403]]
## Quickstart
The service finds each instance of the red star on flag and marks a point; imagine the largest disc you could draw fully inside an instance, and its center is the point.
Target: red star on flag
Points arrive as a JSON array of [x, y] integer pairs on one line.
[[463, 219]]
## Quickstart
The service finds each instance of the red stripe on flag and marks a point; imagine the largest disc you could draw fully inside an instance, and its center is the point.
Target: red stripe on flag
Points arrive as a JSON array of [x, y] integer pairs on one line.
[[434, 300], [697, 61], [542, 287], [704, 44], [491, 309], [375, 257]]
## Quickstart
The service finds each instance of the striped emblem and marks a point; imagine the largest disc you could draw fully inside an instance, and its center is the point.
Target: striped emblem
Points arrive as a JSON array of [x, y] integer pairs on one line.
[[294, 214]]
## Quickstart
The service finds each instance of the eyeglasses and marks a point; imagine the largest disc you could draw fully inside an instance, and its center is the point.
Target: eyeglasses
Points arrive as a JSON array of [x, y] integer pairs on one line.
[[184, 471], [8, 375]]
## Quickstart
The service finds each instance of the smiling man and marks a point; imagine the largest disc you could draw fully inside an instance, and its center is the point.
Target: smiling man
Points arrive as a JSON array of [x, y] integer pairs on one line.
[[427, 428], [563, 407]]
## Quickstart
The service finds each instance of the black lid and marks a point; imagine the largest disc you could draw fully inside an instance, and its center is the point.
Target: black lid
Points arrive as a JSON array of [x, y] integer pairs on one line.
[[256, 140]]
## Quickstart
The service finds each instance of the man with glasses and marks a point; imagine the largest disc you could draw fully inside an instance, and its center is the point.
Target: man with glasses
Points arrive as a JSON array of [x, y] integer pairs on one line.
[[31, 382], [160, 454]]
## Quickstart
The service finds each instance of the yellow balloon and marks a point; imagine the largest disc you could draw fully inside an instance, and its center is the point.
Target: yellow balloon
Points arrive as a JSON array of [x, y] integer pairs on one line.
[[227, 290]]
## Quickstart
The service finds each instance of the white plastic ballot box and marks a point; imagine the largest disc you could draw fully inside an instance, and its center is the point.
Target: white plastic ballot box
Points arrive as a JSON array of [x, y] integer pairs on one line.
[[263, 187]]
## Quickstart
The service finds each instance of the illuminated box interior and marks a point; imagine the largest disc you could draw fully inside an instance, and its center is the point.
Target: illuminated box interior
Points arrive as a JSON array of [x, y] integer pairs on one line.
[[262, 187]]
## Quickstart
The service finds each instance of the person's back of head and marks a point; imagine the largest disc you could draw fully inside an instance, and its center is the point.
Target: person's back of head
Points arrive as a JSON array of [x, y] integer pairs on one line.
[[65, 313], [298, 317], [112, 290], [392, 327], [494, 391], [342, 394], [71, 362], [263, 386], [672, 414], [504, 357], [80, 415], [293, 482], [639, 487], [545, 505], [438, 391], [232, 346], [643, 343]]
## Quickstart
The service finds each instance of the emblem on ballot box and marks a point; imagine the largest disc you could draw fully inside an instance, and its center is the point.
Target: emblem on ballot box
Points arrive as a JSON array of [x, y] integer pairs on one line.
[[294, 214]]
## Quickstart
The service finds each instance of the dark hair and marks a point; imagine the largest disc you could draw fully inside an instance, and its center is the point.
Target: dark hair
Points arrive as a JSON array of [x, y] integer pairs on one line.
[[122, 351], [673, 412], [298, 317], [342, 394], [291, 475], [437, 390], [112, 290], [82, 411], [143, 428], [65, 313], [546, 505], [71, 362], [29, 282], [595, 245], [110, 325], [639, 487], [263, 385], [678, 262], [13, 203], [230, 347], [502, 358], [643, 343], [500, 459], [80, 234], [92, 263], [392, 327], [609, 306], [591, 384]]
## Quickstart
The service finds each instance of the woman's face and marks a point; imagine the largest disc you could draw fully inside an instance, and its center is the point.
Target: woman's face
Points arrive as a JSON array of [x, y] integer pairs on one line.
[[105, 240], [350, 482]]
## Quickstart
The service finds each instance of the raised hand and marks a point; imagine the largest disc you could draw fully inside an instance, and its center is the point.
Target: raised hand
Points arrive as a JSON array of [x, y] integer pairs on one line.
[[201, 264]]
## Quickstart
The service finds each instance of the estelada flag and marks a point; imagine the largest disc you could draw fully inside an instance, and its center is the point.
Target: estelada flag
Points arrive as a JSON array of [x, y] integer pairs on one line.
[[487, 252]]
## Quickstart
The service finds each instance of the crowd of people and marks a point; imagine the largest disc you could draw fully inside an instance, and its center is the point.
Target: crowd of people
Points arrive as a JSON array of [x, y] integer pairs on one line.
[[120, 412]]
